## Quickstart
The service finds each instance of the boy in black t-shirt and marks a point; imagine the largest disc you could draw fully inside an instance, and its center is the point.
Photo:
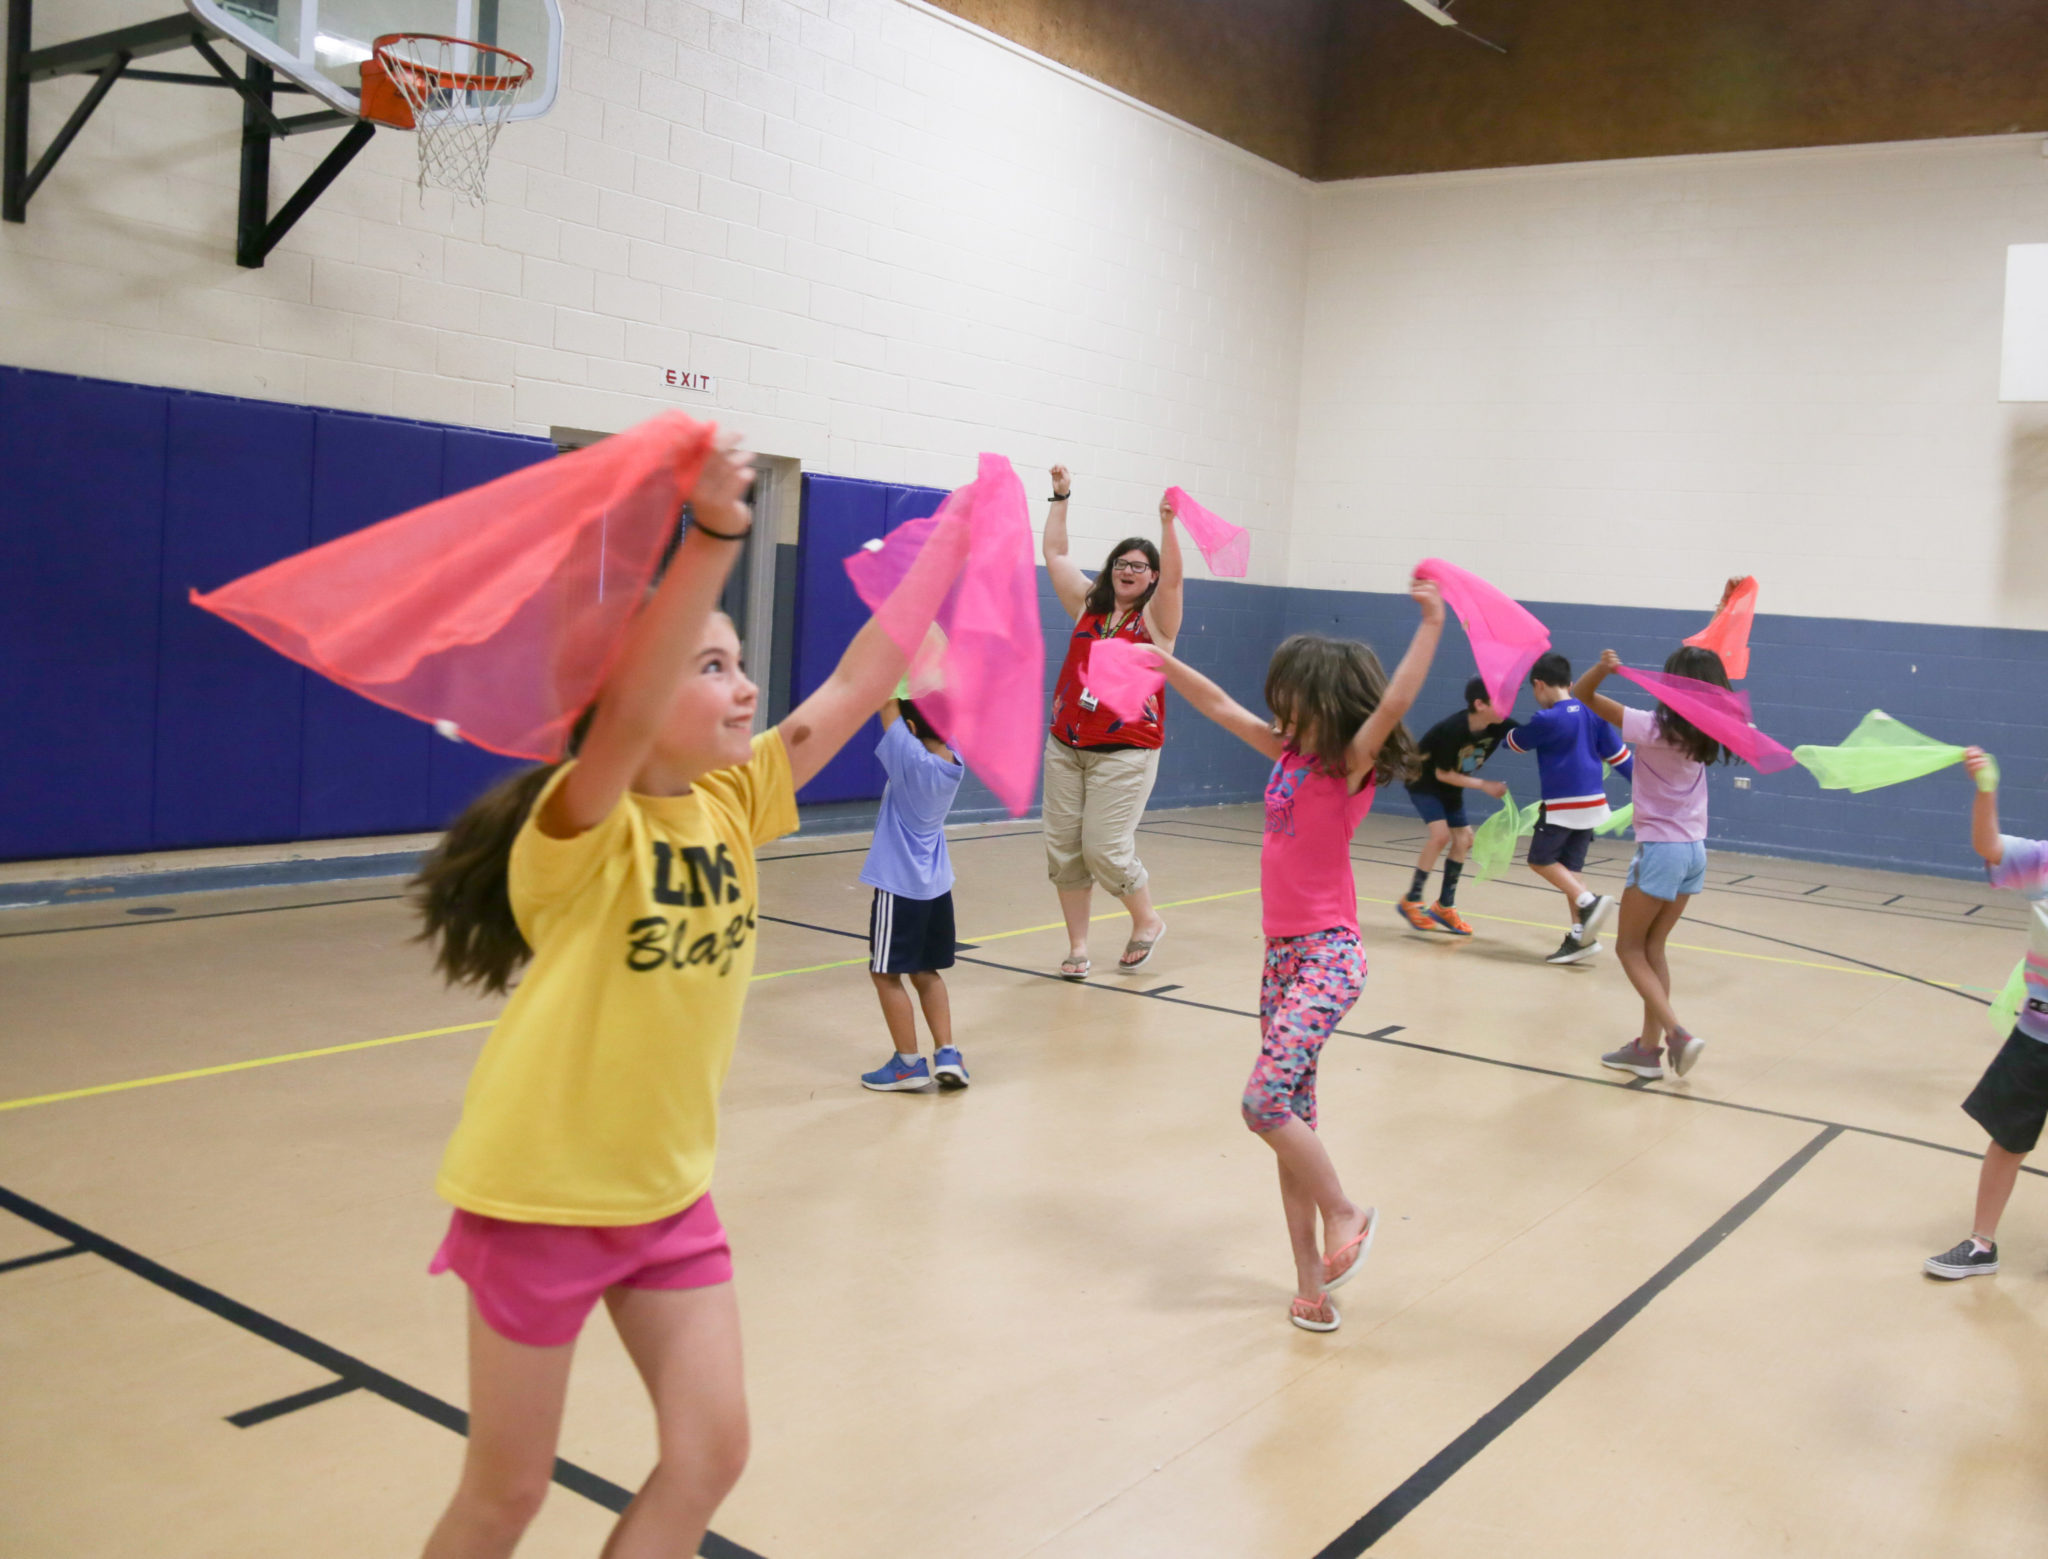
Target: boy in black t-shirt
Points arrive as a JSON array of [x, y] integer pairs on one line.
[[1452, 751]]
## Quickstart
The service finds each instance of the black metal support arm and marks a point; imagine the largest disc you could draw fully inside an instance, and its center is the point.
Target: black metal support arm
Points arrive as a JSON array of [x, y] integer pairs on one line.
[[108, 57]]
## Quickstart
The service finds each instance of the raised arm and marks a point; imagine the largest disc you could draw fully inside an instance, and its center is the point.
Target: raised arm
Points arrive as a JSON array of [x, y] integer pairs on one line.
[[1211, 700], [1405, 685], [1587, 689], [1985, 838], [873, 664], [1068, 582], [1164, 611], [890, 712], [660, 642]]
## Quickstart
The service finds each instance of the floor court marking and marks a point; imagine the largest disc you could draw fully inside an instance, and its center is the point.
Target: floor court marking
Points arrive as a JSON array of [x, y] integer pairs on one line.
[[250, 1417], [1875, 971], [344, 1367], [1453, 1458], [40, 1257]]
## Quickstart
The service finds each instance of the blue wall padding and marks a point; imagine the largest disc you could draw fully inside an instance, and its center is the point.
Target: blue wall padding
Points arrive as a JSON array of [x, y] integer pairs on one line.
[[840, 515], [156, 725], [459, 773], [81, 540], [363, 769], [238, 493]]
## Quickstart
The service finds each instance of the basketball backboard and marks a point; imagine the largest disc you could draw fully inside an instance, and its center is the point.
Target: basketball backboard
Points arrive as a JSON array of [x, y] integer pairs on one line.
[[322, 44]]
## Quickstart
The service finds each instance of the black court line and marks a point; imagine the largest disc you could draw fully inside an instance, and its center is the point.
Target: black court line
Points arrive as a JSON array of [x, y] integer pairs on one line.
[[1385, 1036], [249, 1417], [1615, 861], [578, 1480], [1161, 990], [211, 914], [1453, 1458], [1780, 941], [40, 1257]]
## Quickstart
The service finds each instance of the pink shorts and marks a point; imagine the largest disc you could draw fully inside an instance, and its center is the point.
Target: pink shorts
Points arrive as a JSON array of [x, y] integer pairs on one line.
[[536, 1283]]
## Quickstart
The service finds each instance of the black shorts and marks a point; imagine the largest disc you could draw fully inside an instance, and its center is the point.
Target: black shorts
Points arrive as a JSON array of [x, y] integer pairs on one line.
[[2010, 1100], [1556, 845], [910, 936]]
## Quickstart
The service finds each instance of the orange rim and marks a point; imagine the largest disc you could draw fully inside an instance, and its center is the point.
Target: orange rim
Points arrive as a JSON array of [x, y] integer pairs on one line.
[[396, 68]]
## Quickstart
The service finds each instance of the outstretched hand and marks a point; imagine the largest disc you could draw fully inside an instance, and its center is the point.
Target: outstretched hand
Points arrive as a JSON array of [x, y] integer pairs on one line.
[[719, 498], [1062, 481], [1428, 597], [1166, 515], [1610, 660]]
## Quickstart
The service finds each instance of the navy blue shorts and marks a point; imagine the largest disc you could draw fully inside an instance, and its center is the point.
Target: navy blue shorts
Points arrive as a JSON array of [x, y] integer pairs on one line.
[[910, 936], [1556, 845], [1439, 807]]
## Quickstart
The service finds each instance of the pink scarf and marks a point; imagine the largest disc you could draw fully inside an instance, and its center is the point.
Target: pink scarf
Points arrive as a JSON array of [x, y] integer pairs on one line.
[[1720, 712], [494, 614], [1506, 637], [1226, 548], [985, 669], [1123, 675]]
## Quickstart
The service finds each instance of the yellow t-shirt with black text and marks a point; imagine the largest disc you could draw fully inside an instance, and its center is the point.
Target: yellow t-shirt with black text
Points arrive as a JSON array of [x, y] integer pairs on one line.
[[595, 1100]]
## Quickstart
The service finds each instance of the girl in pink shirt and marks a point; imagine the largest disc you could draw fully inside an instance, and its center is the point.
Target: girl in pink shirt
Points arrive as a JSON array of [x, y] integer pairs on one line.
[[1670, 863], [1336, 732]]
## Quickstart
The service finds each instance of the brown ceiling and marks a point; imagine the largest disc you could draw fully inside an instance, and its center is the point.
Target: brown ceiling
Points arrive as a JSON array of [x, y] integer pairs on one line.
[[1338, 89]]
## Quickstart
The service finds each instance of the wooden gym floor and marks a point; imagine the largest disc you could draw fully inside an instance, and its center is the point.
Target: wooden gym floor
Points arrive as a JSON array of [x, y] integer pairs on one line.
[[1048, 1316]]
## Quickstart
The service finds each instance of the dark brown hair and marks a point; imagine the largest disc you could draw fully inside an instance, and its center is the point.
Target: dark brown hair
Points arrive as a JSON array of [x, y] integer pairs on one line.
[[920, 724], [1702, 666], [1327, 689], [1102, 594], [463, 890]]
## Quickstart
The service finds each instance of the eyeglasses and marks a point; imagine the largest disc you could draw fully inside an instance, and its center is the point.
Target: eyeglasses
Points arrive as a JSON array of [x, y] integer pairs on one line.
[[1126, 566]]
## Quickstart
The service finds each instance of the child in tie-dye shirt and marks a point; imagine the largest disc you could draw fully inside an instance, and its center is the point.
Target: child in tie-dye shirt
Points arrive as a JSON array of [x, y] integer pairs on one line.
[[2011, 1100]]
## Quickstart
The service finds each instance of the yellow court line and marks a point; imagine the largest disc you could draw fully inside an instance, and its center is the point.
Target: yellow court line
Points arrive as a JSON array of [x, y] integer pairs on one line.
[[234, 1066], [843, 963]]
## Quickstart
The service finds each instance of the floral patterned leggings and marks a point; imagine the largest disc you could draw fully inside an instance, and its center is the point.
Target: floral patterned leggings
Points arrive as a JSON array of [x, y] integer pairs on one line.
[[1309, 984]]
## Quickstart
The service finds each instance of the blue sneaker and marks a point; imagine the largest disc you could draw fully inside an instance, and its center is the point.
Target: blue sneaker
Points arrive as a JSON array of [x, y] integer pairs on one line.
[[950, 1068], [897, 1076]]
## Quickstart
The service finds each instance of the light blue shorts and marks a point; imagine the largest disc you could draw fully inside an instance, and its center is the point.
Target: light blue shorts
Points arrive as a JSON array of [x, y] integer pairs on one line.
[[1664, 870]]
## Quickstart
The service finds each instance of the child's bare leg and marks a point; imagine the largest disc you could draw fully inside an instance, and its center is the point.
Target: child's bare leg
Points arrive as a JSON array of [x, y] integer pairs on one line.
[[1305, 1162], [1560, 878], [1634, 941], [686, 1344], [1433, 846], [897, 1011], [937, 1005], [1994, 1188], [515, 1418], [1299, 1204], [1461, 844]]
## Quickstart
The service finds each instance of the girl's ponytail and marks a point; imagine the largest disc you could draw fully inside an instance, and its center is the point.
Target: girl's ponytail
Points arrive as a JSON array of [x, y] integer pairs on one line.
[[462, 891]]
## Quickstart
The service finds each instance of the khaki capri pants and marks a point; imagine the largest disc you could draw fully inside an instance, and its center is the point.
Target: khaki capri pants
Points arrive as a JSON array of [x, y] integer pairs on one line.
[[1093, 802]]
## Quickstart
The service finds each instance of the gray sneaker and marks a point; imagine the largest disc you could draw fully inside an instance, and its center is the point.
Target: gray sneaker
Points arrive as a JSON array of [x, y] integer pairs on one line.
[[1632, 1057], [1572, 949], [1963, 1261], [1683, 1049]]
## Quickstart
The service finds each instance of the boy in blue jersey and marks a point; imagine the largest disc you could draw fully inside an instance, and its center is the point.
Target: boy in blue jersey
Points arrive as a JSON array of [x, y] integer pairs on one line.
[[910, 926], [1571, 745]]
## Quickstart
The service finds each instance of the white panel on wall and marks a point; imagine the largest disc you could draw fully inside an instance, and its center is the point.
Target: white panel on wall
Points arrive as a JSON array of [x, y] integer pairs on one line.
[[887, 241], [2023, 359]]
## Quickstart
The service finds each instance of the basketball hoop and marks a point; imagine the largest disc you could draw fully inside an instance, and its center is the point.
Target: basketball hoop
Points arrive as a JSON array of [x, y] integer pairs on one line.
[[453, 92]]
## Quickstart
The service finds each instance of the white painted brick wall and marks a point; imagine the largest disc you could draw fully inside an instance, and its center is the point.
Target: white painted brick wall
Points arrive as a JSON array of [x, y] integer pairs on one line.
[[894, 240], [1621, 382]]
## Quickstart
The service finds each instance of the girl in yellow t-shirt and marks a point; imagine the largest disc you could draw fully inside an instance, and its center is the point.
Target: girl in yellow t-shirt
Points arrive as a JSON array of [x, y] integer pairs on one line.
[[623, 881]]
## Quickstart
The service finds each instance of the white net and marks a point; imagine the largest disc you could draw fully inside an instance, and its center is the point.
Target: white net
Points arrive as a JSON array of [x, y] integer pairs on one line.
[[459, 93]]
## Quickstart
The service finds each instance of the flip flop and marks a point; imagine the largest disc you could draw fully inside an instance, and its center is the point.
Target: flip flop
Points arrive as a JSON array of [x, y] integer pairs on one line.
[[1321, 1316], [1074, 968], [1337, 1271], [1137, 945]]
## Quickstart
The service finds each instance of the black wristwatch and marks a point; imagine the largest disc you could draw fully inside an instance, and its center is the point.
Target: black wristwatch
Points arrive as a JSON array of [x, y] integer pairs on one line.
[[1061, 497]]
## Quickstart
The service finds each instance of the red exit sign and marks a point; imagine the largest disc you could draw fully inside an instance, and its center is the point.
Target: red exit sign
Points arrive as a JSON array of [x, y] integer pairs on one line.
[[683, 379]]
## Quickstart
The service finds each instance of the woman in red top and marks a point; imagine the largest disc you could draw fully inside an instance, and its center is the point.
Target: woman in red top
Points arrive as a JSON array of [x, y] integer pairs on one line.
[[1099, 769]]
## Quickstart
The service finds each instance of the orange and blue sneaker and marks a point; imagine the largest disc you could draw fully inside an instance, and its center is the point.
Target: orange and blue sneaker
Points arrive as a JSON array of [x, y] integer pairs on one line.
[[1449, 919], [1411, 910]]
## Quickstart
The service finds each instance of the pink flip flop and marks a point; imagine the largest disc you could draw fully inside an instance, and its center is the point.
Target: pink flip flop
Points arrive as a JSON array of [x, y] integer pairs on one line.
[[1342, 1264], [1321, 1316]]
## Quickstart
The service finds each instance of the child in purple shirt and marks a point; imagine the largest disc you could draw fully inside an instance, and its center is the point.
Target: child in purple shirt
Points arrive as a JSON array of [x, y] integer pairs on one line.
[[1670, 866], [2011, 1100]]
